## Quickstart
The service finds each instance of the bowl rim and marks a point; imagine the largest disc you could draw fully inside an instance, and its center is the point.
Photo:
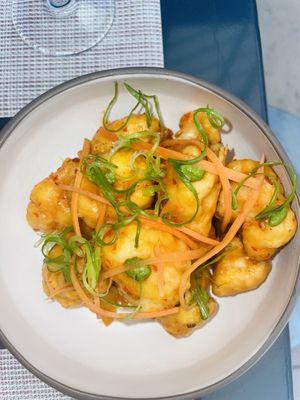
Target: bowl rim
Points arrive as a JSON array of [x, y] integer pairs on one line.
[[163, 72]]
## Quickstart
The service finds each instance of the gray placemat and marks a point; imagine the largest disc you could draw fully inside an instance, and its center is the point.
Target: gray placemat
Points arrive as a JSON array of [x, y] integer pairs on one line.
[[16, 383], [135, 39]]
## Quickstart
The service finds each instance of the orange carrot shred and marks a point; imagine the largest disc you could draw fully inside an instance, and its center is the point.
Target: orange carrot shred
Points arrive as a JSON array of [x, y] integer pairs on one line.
[[163, 227], [240, 219], [101, 216], [77, 183], [110, 314], [225, 185], [221, 172], [165, 153], [155, 223]]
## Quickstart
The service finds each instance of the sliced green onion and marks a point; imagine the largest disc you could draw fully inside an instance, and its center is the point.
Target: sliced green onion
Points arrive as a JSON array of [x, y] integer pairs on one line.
[[137, 272], [201, 297], [192, 173], [253, 172], [137, 234], [105, 120], [146, 105], [277, 214]]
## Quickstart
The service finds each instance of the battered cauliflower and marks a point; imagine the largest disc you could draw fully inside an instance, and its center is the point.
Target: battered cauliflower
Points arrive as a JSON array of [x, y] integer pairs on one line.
[[151, 240], [261, 241], [237, 273], [189, 131]]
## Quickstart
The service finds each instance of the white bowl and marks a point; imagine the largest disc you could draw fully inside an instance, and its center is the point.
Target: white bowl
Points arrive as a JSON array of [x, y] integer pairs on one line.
[[69, 349]]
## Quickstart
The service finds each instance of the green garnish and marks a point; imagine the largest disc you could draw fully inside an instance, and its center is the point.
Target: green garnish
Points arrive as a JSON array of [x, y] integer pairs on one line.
[[192, 173], [277, 214], [185, 169], [143, 98], [253, 172], [61, 262], [200, 296], [105, 120], [137, 272], [274, 215]]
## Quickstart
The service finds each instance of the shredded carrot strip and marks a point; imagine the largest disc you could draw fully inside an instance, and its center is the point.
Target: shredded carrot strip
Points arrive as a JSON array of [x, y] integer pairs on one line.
[[208, 166], [162, 227], [101, 217], [240, 219], [225, 185], [160, 273], [110, 314], [114, 271], [221, 172], [155, 223], [179, 256], [83, 192], [60, 291], [77, 183], [198, 236]]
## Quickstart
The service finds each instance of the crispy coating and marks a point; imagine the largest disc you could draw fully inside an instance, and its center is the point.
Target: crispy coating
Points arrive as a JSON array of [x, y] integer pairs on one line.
[[242, 269], [122, 159], [52, 282], [187, 320], [136, 123], [237, 273], [189, 131], [49, 207], [182, 203], [261, 240], [150, 239], [246, 166]]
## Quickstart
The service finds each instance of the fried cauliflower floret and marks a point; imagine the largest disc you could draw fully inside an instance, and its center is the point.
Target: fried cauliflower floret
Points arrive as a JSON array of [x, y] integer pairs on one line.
[[181, 203], [52, 282], [236, 272], [246, 166], [55, 285], [136, 123], [50, 207], [150, 239], [122, 159], [188, 129], [261, 240], [189, 318]]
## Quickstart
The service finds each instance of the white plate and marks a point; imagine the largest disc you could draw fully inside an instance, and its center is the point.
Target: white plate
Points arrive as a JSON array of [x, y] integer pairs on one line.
[[69, 349]]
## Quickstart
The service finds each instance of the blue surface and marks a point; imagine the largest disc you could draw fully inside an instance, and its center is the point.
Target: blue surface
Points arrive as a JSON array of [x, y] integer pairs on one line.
[[287, 128], [218, 40]]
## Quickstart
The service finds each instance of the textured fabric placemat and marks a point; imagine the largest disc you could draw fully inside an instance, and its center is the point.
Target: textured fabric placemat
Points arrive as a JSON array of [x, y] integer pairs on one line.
[[16, 383], [135, 39]]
